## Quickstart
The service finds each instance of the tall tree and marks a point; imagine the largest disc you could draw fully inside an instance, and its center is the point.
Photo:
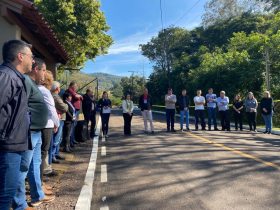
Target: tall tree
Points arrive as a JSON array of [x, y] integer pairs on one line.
[[80, 26]]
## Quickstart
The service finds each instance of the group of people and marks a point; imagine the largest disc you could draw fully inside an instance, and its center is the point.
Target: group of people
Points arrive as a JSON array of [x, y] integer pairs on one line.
[[214, 103], [35, 122]]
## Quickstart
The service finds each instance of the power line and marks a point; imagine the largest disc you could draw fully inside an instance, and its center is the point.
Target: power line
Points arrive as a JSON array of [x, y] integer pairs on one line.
[[161, 13], [186, 13]]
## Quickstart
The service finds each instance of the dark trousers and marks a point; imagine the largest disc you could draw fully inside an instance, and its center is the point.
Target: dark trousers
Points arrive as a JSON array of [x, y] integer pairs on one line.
[[199, 114], [67, 128], [170, 114], [47, 134], [252, 118], [105, 123], [225, 122], [238, 120], [92, 120], [127, 123]]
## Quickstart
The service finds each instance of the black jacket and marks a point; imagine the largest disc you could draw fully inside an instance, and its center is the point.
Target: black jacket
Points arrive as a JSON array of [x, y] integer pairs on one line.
[[181, 102], [104, 102], [89, 107], [268, 104], [145, 106], [70, 113], [14, 114]]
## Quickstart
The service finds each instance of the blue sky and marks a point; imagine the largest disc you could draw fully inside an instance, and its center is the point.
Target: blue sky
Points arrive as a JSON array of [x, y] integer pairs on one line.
[[135, 22]]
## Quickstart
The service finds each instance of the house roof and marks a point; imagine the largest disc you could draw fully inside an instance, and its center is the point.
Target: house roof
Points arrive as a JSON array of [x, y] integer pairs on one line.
[[32, 19]]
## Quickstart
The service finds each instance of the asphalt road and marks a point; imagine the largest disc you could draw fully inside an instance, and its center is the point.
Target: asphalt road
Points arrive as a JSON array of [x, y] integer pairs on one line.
[[198, 170]]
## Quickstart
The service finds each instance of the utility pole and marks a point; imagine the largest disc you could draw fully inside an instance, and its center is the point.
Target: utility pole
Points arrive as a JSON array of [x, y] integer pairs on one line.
[[267, 69], [132, 77]]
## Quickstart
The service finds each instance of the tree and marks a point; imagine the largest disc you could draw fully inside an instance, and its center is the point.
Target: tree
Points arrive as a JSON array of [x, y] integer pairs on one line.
[[80, 26]]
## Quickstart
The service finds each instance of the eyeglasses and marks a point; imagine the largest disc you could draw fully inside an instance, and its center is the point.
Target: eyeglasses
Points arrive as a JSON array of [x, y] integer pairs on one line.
[[30, 55]]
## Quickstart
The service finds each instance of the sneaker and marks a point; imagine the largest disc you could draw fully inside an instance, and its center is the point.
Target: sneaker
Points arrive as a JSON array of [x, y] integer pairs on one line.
[[58, 157], [255, 131], [54, 160], [106, 136], [182, 130], [51, 174], [46, 191], [46, 199], [265, 132]]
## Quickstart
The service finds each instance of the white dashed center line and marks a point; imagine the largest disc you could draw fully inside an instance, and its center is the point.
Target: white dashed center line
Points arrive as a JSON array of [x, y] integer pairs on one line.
[[103, 151], [103, 173], [104, 208]]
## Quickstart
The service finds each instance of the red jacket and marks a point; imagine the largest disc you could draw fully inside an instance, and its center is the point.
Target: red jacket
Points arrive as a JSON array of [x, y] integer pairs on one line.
[[76, 101]]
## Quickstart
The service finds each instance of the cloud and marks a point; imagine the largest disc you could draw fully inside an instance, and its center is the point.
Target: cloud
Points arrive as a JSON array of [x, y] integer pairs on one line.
[[130, 43]]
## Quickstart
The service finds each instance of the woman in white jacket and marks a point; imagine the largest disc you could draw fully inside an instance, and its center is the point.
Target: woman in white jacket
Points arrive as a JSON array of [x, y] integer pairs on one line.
[[127, 106]]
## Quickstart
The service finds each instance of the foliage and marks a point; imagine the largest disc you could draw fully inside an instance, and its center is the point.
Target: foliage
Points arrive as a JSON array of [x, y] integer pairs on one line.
[[229, 55], [80, 26], [133, 85]]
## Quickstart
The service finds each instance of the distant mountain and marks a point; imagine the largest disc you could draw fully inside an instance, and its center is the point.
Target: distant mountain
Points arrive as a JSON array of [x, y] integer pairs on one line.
[[107, 81]]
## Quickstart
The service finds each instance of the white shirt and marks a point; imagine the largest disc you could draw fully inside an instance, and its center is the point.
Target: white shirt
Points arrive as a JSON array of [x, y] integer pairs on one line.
[[199, 99], [53, 119], [125, 106]]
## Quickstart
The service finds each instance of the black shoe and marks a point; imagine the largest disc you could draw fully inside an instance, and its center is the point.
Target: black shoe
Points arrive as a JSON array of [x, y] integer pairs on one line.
[[173, 131], [53, 173], [216, 129], [67, 149], [209, 129], [58, 157], [167, 130], [265, 132], [152, 132], [203, 129], [75, 142], [54, 160]]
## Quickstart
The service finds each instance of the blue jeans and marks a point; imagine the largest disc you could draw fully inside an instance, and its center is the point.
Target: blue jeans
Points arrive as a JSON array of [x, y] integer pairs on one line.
[[30, 167], [9, 177], [57, 138], [212, 116], [268, 122], [184, 113], [170, 114]]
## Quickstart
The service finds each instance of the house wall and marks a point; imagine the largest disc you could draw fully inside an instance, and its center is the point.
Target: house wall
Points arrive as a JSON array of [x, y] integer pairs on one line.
[[8, 32]]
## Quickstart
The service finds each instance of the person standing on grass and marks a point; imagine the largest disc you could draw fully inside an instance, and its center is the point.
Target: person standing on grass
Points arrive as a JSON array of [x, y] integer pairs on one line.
[[145, 104], [211, 108], [89, 111], [267, 107], [127, 106], [184, 103], [251, 105], [105, 105], [170, 101], [199, 102], [61, 109], [238, 112], [15, 120], [222, 103]]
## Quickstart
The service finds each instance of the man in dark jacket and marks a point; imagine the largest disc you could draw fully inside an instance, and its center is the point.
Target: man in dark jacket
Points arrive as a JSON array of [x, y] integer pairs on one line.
[[89, 111], [14, 123], [184, 103], [145, 104]]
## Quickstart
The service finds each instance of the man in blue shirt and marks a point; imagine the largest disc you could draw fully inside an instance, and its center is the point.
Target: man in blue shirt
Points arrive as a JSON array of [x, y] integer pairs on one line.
[[211, 108], [222, 103]]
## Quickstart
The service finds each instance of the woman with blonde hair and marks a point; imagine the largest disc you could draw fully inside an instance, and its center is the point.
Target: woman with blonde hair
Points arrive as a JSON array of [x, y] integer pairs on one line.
[[51, 126], [267, 106], [251, 105]]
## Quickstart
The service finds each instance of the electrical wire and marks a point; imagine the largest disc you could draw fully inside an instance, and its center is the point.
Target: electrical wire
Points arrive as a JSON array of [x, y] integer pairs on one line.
[[186, 13]]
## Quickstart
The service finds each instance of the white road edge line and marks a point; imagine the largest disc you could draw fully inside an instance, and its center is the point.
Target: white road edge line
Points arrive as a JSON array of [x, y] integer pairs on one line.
[[103, 139], [85, 197], [103, 173], [104, 208], [103, 151]]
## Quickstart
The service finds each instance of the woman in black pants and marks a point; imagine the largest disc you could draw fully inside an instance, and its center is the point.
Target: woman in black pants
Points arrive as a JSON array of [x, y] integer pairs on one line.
[[238, 112], [105, 105], [127, 106], [70, 117], [251, 105]]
